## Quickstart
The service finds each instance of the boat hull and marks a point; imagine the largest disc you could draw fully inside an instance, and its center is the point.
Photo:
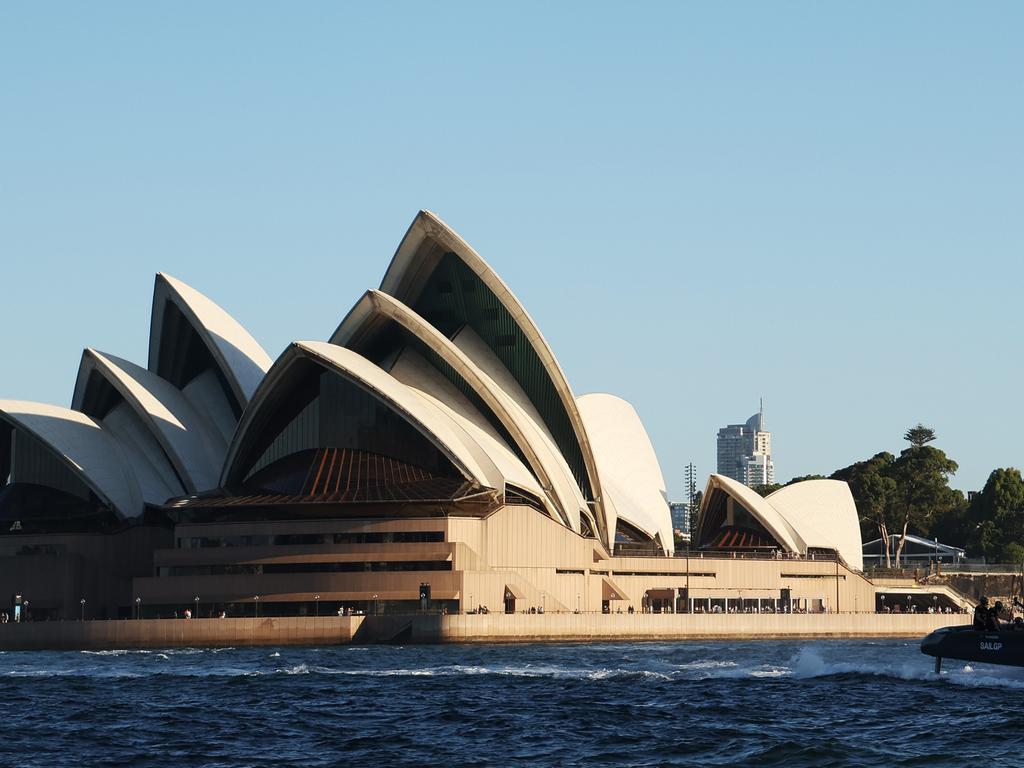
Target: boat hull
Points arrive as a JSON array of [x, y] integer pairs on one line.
[[968, 644]]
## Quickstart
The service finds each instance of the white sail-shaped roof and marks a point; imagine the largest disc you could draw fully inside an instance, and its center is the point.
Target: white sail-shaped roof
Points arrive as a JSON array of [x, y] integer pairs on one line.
[[84, 446], [767, 515], [239, 357], [825, 515], [194, 449], [538, 450], [806, 515], [429, 240], [630, 473], [418, 375], [448, 436]]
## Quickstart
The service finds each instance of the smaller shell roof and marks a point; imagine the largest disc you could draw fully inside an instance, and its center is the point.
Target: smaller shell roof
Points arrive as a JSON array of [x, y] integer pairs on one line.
[[756, 505], [91, 452], [242, 360], [805, 515], [825, 515], [195, 450], [630, 474]]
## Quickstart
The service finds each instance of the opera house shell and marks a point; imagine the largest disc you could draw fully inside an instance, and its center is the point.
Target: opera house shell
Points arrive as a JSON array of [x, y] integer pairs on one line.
[[430, 452]]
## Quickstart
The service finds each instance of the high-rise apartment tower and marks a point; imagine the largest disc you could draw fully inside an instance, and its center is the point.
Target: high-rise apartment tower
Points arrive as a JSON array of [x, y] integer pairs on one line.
[[745, 451]]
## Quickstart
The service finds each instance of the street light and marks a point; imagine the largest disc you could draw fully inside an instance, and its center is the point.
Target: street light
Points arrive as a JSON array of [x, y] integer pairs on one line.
[[543, 602], [138, 607], [316, 602], [82, 603], [376, 605], [196, 614], [577, 602], [256, 598]]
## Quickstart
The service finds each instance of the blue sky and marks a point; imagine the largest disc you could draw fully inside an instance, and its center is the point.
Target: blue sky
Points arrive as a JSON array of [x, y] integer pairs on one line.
[[699, 204]]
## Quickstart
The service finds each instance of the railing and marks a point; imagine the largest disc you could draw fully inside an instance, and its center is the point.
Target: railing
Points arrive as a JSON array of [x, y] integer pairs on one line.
[[732, 554], [1010, 568]]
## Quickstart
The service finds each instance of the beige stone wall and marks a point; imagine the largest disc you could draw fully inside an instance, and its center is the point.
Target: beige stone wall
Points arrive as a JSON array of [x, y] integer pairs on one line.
[[94, 566], [515, 549], [521, 628], [559, 570], [169, 633]]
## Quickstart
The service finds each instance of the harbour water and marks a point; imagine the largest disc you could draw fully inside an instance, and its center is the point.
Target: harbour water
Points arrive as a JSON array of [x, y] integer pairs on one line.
[[851, 703]]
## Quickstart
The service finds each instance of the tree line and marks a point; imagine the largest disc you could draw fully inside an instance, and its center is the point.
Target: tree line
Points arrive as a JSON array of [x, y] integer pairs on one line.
[[911, 493]]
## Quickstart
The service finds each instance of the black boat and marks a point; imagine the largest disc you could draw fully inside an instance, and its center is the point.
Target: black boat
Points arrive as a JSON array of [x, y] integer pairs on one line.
[[965, 643]]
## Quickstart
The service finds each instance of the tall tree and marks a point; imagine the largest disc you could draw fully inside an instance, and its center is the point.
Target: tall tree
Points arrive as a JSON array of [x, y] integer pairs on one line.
[[919, 435], [922, 489]]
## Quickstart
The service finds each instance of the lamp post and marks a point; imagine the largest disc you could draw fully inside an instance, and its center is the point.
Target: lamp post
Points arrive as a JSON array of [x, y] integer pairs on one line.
[[376, 605], [256, 600], [577, 602], [138, 607], [543, 602], [82, 603], [316, 604], [196, 601]]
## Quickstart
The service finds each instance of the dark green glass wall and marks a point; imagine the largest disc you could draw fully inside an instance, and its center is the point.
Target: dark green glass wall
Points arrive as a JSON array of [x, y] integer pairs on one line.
[[454, 297]]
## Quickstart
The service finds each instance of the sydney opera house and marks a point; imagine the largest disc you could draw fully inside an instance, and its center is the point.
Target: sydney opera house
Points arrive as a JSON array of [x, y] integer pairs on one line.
[[429, 455]]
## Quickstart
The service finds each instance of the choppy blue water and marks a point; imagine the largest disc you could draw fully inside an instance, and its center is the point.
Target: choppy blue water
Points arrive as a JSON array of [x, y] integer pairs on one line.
[[855, 703]]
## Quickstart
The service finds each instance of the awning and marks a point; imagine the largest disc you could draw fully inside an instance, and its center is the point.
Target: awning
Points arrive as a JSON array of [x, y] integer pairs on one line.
[[611, 591], [512, 592], [667, 593]]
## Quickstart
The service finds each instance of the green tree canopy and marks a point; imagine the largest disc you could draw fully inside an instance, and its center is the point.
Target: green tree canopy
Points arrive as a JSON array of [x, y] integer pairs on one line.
[[997, 516], [802, 478], [919, 435], [894, 493]]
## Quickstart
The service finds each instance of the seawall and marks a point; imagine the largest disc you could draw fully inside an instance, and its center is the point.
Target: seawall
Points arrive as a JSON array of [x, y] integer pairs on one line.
[[472, 628], [597, 627], [170, 633]]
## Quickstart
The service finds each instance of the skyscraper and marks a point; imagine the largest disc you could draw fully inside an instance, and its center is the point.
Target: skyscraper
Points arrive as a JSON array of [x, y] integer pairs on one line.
[[745, 451]]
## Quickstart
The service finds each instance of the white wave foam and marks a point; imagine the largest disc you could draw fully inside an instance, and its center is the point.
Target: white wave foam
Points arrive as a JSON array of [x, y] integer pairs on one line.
[[809, 664], [275, 655], [706, 664], [116, 652]]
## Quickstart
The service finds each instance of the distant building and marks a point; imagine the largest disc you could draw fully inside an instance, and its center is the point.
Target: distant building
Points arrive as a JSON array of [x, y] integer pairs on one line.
[[680, 516], [745, 451]]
